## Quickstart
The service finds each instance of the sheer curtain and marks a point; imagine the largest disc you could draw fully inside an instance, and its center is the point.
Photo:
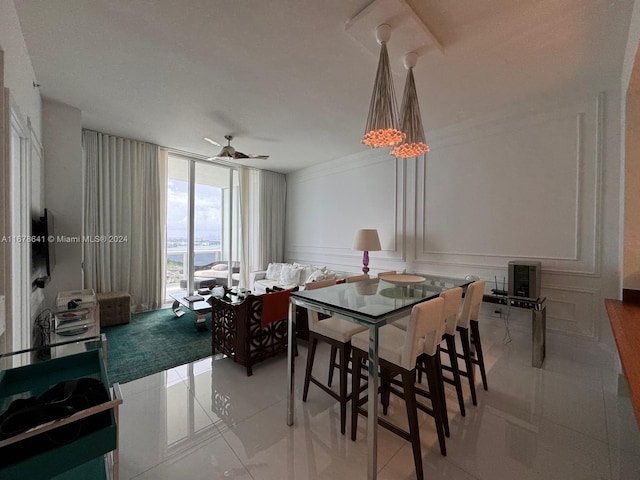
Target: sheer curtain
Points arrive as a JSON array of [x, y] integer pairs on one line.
[[262, 213], [123, 218], [273, 196]]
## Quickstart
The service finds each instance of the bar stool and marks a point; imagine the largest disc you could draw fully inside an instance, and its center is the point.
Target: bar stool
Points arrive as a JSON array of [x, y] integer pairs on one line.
[[475, 337], [357, 278], [334, 350], [452, 302], [471, 308], [337, 333], [399, 351]]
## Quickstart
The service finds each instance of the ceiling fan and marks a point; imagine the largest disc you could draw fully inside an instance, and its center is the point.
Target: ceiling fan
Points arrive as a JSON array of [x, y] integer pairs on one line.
[[230, 153]]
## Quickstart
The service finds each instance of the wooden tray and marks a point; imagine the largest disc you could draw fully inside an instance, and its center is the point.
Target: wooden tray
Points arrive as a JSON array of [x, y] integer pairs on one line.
[[402, 279]]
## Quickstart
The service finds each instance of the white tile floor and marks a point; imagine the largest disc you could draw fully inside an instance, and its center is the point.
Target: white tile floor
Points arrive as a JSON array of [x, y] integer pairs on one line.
[[208, 420]]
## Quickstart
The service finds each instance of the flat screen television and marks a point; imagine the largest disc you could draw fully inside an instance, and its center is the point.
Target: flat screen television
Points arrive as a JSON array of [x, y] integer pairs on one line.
[[42, 249]]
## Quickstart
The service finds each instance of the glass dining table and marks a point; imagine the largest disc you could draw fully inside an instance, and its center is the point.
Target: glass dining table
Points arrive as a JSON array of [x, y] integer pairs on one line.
[[372, 303]]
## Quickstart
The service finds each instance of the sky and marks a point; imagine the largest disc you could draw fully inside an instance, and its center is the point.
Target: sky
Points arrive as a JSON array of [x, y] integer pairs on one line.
[[208, 211]]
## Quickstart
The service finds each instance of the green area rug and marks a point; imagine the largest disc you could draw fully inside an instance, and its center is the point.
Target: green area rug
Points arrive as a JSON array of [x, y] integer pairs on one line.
[[152, 342]]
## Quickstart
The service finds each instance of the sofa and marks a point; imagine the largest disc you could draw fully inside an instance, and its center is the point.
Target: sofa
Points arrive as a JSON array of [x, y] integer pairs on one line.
[[216, 273], [287, 275]]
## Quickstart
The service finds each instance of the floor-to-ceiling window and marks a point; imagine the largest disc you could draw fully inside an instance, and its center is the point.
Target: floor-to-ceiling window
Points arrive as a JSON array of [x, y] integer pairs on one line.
[[202, 227]]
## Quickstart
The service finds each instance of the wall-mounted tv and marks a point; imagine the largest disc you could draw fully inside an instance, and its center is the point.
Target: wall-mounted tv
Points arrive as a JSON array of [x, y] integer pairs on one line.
[[42, 249]]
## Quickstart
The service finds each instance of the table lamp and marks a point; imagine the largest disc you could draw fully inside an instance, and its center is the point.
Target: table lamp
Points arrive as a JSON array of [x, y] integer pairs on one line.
[[366, 241]]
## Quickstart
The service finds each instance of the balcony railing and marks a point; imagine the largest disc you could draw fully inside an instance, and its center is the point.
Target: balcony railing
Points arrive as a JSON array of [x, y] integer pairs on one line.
[[176, 265]]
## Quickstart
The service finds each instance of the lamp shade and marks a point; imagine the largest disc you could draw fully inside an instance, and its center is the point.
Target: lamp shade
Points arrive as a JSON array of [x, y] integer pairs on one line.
[[367, 240]]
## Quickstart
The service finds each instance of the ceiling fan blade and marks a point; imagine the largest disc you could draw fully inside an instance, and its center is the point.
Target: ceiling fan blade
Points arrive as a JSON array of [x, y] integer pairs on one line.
[[240, 156], [212, 142]]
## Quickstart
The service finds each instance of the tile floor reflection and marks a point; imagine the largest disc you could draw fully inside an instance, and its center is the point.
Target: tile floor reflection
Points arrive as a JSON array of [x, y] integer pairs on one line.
[[208, 420]]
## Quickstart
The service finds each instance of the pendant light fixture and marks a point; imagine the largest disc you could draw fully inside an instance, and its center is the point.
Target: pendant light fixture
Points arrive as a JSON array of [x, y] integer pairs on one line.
[[414, 143], [382, 122]]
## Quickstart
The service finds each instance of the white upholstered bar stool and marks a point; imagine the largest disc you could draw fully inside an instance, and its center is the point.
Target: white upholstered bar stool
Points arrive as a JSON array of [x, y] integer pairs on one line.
[[399, 351], [357, 278], [471, 309], [451, 315], [476, 353], [337, 332], [334, 350]]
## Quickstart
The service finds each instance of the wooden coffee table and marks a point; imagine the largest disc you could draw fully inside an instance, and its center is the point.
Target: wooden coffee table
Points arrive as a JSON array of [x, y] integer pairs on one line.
[[199, 306]]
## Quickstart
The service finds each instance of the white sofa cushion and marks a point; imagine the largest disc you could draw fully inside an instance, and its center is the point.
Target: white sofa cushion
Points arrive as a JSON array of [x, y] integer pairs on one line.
[[274, 270], [273, 276], [260, 286], [212, 273], [308, 271], [290, 274], [316, 276], [319, 275]]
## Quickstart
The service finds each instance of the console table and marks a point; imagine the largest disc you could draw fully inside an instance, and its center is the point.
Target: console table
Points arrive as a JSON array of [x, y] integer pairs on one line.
[[538, 310]]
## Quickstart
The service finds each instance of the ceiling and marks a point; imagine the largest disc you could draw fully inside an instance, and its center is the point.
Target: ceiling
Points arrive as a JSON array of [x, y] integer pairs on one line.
[[289, 80]]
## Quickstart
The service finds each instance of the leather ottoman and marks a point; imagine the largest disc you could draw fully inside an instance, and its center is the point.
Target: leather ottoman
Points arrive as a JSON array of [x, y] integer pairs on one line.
[[115, 308]]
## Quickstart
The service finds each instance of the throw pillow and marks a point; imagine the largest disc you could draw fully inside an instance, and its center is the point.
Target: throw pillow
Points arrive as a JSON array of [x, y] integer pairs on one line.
[[273, 271], [330, 275], [290, 275], [304, 272], [316, 276]]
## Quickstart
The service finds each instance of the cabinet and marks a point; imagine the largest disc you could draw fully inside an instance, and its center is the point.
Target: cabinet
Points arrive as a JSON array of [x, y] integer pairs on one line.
[[83, 455]]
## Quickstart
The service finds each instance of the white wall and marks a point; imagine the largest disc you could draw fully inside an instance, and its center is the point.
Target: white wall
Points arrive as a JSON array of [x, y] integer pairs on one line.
[[539, 183], [630, 117], [25, 104], [18, 71], [63, 184], [328, 203]]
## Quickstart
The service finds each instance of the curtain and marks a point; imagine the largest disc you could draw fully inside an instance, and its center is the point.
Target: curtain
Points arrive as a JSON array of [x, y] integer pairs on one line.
[[123, 218], [249, 222], [273, 196], [262, 220]]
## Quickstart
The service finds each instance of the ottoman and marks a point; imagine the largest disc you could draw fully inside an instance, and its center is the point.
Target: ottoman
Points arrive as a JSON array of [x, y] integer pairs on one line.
[[115, 308]]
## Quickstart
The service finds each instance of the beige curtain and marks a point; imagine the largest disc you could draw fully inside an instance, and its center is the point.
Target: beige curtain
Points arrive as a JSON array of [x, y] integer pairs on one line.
[[124, 204], [273, 197], [262, 216]]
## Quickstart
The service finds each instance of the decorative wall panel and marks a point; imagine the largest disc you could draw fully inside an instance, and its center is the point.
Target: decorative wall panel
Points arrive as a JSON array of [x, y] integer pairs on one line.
[[572, 310], [525, 188]]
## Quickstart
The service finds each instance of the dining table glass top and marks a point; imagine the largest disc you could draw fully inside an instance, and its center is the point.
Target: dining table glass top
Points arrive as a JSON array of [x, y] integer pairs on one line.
[[377, 298]]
